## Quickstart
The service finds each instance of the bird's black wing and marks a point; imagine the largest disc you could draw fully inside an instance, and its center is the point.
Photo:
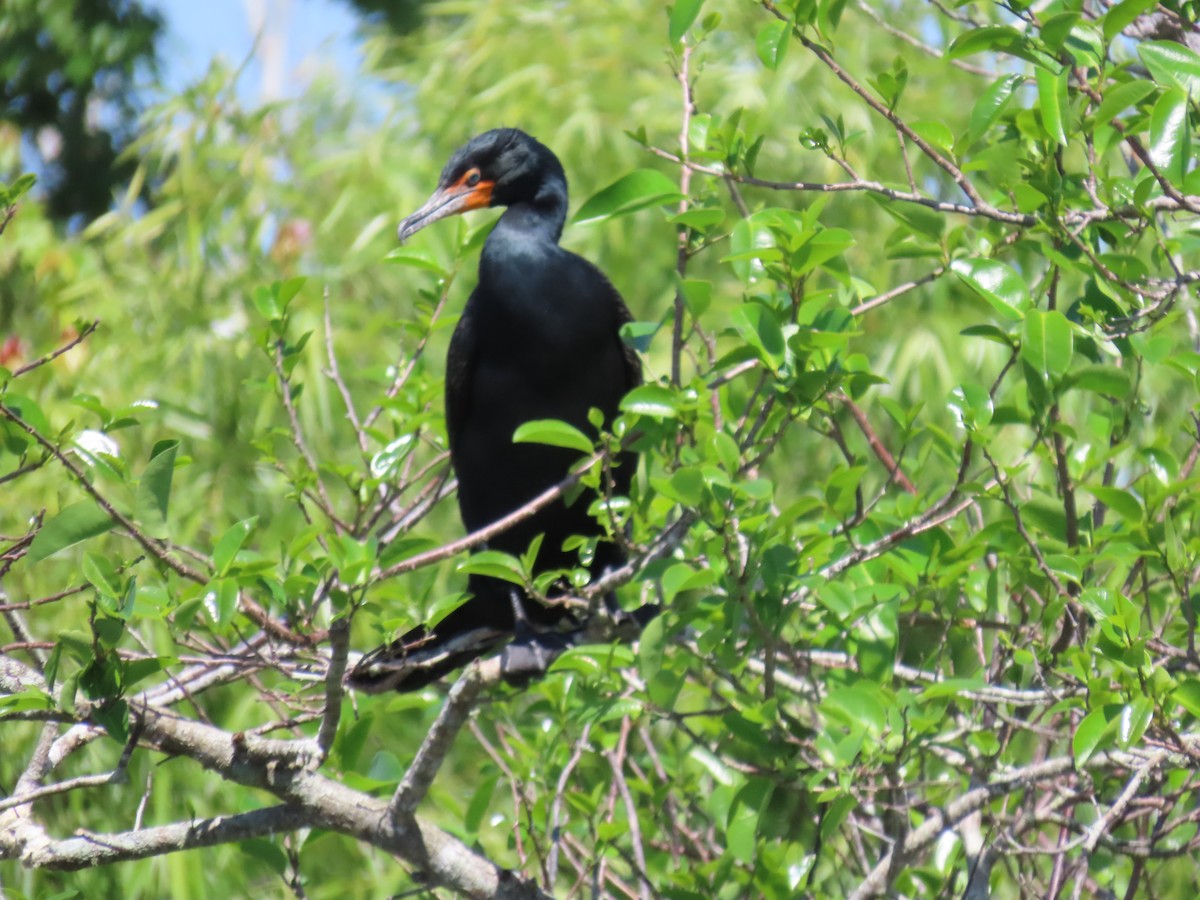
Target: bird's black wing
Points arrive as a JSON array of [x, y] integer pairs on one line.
[[632, 364], [460, 366]]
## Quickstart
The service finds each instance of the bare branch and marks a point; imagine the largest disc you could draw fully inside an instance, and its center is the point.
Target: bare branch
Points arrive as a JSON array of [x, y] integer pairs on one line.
[[339, 648], [417, 780], [88, 849]]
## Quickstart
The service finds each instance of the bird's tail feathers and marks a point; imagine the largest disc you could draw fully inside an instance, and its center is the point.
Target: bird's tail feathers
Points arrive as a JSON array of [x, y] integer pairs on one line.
[[421, 657]]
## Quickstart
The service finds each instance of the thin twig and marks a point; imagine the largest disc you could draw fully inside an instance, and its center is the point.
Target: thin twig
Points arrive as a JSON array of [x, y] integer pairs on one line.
[[335, 376], [50, 357]]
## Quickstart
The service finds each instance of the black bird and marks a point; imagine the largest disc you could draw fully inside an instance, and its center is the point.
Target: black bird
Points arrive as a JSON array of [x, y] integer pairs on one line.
[[539, 339]]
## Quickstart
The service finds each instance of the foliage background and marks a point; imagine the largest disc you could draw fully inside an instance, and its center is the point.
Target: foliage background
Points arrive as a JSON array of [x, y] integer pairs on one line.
[[842, 659]]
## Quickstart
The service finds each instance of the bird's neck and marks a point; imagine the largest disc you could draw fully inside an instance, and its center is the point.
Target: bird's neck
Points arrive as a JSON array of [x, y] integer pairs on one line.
[[521, 254], [539, 219]]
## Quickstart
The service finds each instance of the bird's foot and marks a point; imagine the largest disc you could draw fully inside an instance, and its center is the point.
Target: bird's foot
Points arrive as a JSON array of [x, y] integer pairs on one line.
[[532, 652], [529, 656], [420, 658]]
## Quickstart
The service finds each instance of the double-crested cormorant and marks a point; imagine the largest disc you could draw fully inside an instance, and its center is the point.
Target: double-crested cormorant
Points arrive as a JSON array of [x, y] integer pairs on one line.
[[539, 339]]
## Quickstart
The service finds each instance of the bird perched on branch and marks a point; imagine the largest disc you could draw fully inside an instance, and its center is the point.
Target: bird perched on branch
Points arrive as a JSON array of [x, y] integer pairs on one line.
[[539, 339]]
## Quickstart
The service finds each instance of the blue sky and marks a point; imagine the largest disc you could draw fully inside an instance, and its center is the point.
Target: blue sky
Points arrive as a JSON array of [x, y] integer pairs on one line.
[[304, 35]]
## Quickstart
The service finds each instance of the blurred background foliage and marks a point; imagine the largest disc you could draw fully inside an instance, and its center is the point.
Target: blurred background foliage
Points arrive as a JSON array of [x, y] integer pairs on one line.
[[168, 225]]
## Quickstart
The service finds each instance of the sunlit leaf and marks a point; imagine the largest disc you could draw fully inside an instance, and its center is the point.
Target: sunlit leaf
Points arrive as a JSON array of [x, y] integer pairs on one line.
[[1172, 65], [553, 433], [1096, 731], [683, 14], [153, 498], [494, 564], [1121, 97], [1170, 135], [1052, 102], [989, 106], [772, 42], [996, 282], [651, 400], [230, 543], [1123, 14], [1047, 342], [637, 190]]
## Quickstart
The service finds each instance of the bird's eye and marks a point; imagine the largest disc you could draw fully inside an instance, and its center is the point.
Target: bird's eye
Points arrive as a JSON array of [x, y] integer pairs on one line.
[[472, 178]]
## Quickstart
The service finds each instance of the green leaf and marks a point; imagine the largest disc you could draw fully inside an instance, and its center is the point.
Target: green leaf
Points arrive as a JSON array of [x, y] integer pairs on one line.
[[936, 133], [637, 190], [700, 218], [989, 332], [751, 243], [760, 329], [1117, 100], [697, 294], [1045, 515], [138, 669], [972, 405], [1119, 501], [859, 706], [28, 699], [101, 574], [230, 543], [875, 638], [826, 244], [1135, 719], [265, 303], [772, 42], [416, 259], [1095, 732], [285, 291], [994, 38], [996, 282], [554, 433], [1122, 15], [650, 648], [494, 564], [480, 801], [1047, 342], [651, 400], [920, 219], [1187, 695], [385, 767], [1172, 65], [1052, 103], [153, 497], [16, 439], [639, 335], [989, 106], [21, 186], [220, 601], [683, 14], [744, 814], [1057, 28], [1170, 136], [351, 739], [266, 852], [1108, 381], [75, 523]]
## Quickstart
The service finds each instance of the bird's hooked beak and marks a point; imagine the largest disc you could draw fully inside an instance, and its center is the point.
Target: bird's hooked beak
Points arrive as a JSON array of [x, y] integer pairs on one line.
[[448, 201]]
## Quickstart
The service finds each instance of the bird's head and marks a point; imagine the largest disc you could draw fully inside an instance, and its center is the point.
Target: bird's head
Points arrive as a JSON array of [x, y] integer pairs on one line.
[[497, 168]]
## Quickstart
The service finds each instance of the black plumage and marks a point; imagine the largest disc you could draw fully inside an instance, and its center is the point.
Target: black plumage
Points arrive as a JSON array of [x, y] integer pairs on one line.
[[538, 339]]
